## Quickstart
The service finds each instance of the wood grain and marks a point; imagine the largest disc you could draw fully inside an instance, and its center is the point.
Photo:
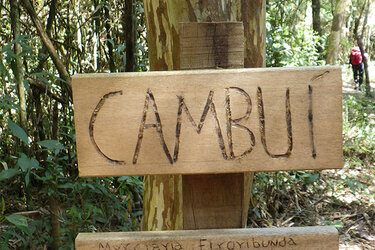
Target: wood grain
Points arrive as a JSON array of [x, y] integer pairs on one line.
[[211, 45], [208, 198], [208, 121], [307, 238], [213, 201]]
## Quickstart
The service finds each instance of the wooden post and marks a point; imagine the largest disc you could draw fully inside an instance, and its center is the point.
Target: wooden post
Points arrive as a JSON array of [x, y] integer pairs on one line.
[[214, 200], [163, 197]]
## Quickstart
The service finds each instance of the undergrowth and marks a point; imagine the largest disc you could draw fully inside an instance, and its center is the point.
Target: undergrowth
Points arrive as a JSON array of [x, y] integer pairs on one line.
[[343, 198]]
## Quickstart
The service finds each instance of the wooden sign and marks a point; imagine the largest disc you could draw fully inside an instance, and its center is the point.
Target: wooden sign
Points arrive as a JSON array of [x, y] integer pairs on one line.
[[208, 121], [306, 238]]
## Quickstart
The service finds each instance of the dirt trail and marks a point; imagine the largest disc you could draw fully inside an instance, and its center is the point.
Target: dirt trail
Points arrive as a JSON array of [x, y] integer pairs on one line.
[[348, 83]]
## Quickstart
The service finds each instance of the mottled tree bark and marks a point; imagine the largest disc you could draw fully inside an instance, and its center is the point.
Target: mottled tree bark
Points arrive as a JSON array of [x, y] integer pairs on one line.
[[162, 201], [254, 21], [334, 38], [163, 194]]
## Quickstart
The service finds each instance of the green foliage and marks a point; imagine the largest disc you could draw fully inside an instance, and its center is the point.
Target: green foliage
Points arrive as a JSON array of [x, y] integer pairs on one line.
[[8, 173], [92, 204], [290, 41], [276, 192], [18, 131], [359, 129], [38, 162], [8, 102], [298, 47]]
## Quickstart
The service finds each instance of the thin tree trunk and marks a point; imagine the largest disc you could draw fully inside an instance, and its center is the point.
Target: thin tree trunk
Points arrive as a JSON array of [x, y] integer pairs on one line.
[[17, 68], [359, 38], [53, 203], [50, 20], [316, 16], [334, 38], [112, 66], [55, 225], [97, 25], [9, 110], [316, 21], [51, 49], [37, 89], [129, 23]]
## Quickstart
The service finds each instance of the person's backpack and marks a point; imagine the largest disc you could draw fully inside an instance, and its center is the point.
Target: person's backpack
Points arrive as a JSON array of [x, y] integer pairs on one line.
[[356, 56]]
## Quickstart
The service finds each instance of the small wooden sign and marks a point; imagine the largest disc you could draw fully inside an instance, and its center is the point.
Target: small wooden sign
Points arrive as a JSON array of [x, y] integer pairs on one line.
[[306, 238], [208, 121]]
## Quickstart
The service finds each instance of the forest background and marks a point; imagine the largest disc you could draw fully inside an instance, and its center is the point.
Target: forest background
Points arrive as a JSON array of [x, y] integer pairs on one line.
[[43, 202]]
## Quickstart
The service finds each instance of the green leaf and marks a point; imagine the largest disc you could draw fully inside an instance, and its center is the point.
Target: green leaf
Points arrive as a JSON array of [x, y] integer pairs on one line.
[[53, 76], [18, 131], [120, 48], [123, 178], [9, 173], [51, 144], [7, 102], [310, 178], [27, 179], [65, 185], [111, 41], [338, 225], [5, 165], [2, 205], [27, 163], [3, 69], [42, 78], [17, 220], [26, 84]]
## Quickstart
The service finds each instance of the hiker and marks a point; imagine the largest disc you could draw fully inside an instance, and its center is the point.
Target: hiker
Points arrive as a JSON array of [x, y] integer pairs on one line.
[[357, 66]]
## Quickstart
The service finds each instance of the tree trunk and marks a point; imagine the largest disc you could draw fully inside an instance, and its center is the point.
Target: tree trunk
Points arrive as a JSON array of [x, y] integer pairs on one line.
[[359, 38], [55, 225], [129, 24], [163, 194], [316, 16], [17, 66], [49, 45], [316, 22], [334, 38], [50, 20], [111, 57], [254, 21]]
